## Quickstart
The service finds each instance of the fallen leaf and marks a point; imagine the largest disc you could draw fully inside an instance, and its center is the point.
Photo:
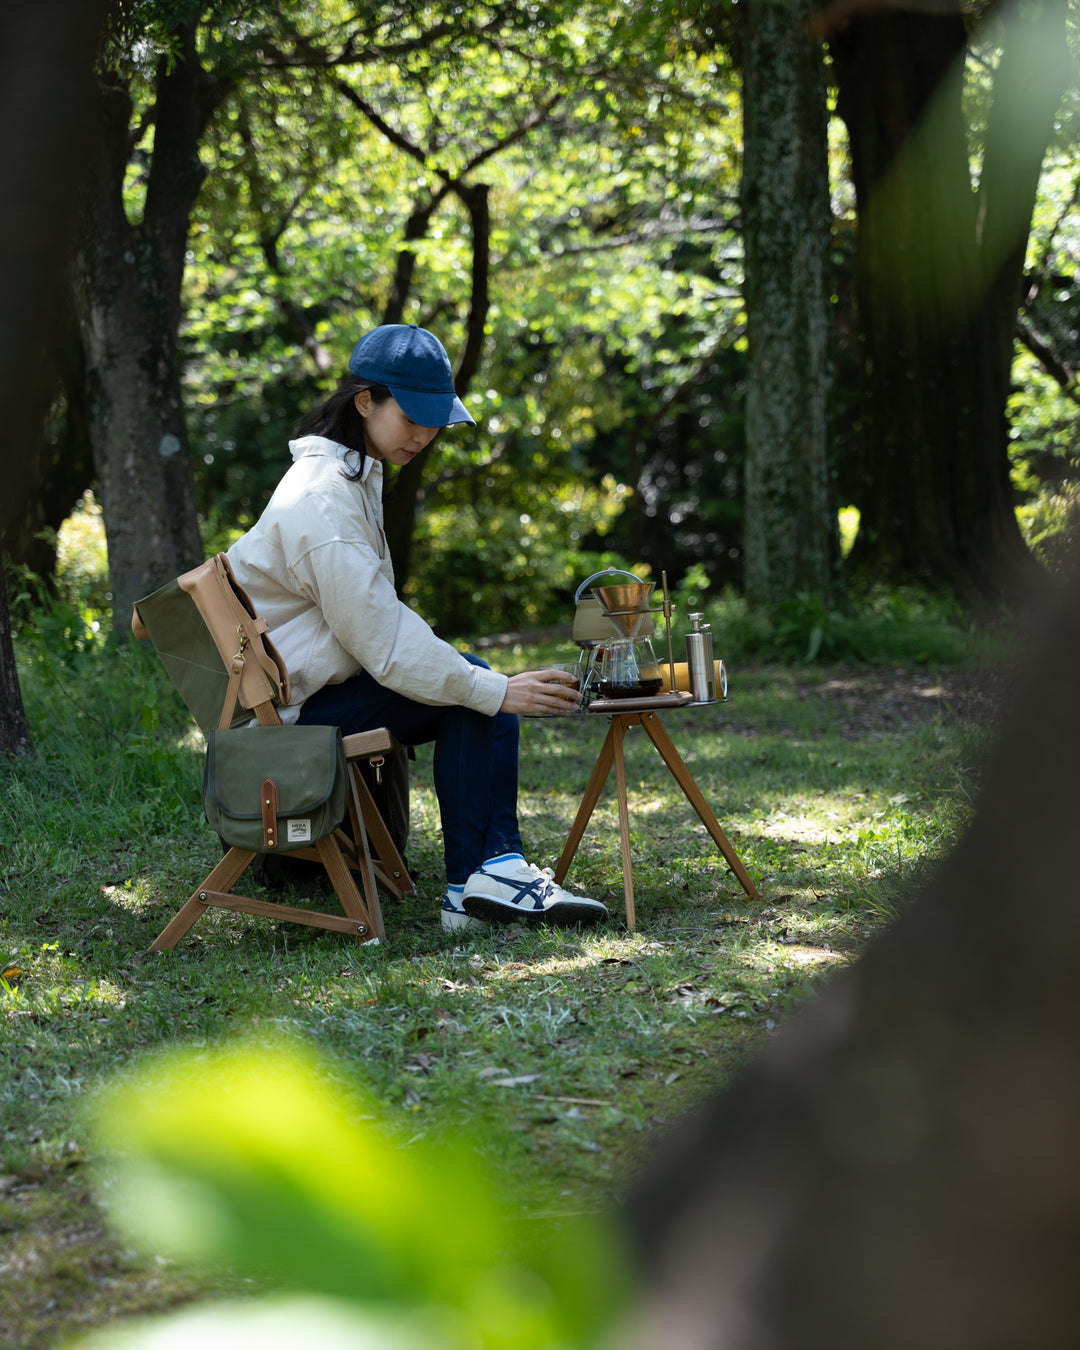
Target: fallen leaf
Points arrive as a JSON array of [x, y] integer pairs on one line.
[[420, 1064]]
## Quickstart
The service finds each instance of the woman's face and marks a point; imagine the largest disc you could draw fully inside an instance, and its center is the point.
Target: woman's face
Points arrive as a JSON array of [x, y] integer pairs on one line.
[[390, 435]]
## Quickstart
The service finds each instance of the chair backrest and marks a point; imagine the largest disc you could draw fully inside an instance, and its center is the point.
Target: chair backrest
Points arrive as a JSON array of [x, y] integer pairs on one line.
[[214, 646]]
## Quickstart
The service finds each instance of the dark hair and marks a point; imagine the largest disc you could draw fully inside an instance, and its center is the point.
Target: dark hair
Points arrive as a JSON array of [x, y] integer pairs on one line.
[[338, 419]]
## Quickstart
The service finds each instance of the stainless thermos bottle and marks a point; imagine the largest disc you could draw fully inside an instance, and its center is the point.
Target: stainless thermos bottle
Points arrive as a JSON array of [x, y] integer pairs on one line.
[[699, 661]]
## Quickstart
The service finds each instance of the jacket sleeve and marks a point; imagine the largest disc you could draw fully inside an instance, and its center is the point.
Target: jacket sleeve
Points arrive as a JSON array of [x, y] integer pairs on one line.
[[353, 588]]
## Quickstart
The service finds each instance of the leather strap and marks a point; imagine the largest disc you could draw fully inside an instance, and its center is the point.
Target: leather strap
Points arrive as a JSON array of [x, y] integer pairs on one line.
[[226, 609], [269, 799], [229, 706]]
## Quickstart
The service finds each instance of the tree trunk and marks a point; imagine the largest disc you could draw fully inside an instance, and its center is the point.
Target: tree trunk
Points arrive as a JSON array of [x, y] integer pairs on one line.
[[936, 311], [127, 291], [58, 465], [14, 732], [791, 540], [899, 1168], [407, 491], [45, 92]]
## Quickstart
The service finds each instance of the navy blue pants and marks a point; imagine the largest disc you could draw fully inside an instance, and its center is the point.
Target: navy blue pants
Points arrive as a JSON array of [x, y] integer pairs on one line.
[[475, 762]]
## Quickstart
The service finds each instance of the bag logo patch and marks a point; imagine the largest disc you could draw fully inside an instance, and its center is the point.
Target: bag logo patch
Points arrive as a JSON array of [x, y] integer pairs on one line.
[[298, 831]]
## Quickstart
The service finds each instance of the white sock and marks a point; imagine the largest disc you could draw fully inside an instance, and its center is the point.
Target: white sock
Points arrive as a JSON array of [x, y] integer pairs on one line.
[[455, 894], [505, 858]]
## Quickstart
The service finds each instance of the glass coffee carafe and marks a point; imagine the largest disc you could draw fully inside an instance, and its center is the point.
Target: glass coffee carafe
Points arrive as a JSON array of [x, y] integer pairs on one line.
[[629, 669]]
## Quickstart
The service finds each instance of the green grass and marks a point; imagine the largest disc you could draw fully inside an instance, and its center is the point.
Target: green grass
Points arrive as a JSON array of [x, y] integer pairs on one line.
[[562, 1054]]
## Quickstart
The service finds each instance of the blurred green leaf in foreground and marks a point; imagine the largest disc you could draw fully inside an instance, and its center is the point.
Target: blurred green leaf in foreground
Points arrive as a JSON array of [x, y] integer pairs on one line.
[[251, 1158]]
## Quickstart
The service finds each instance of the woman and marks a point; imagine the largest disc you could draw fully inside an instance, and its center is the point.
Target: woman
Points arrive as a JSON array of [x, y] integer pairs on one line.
[[317, 568]]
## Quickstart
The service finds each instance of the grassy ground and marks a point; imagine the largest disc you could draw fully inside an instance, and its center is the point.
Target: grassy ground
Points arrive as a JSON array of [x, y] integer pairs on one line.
[[565, 1054]]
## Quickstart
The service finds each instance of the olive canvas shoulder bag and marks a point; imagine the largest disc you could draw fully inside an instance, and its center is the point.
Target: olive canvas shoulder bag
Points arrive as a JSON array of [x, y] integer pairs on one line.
[[274, 789]]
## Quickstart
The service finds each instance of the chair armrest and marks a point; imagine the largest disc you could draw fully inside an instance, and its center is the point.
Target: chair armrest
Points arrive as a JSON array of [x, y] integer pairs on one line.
[[363, 743]]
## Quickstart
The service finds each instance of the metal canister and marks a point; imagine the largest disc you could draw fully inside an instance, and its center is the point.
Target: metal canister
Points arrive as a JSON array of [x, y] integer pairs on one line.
[[699, 661]]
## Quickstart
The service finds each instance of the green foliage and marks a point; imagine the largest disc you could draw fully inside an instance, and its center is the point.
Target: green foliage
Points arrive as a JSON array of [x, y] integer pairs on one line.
[[82, 563], [1045, 457], [888, 625], [613, 280], [326, 1203], [340, 163], [66, 625], [486, 570], [1044, 447], [1051, 523]]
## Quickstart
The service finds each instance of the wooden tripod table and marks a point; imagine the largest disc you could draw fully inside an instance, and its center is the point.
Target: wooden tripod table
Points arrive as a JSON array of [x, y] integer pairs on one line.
[[611, 752]]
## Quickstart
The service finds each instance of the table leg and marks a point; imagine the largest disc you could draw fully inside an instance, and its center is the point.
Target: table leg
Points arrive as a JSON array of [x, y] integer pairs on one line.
[[618, 732], [671, 757], [588, 804]]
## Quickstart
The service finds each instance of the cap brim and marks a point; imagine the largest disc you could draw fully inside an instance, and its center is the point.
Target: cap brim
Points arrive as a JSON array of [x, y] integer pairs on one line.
[[431, 410]]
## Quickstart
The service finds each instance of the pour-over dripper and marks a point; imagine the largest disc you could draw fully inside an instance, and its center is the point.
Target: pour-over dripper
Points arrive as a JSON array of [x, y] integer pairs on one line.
[[625, 605]]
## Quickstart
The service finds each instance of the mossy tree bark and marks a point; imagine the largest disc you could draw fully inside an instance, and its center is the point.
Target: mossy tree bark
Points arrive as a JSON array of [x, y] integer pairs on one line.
[[791, 542], [127, 280]]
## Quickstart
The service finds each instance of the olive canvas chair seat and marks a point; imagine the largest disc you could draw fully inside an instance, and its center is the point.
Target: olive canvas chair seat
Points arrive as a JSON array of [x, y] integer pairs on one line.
[[227, 670]]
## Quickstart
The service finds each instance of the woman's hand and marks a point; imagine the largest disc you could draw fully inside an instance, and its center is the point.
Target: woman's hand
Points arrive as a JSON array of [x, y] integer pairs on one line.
[[541, 691]]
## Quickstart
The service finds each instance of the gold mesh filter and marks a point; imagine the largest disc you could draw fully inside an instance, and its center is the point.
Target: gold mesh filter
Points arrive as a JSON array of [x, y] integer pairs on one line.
[[625, 606]]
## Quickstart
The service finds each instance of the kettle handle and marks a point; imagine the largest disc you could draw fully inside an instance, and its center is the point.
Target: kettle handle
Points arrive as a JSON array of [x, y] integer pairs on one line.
[[607, 572]]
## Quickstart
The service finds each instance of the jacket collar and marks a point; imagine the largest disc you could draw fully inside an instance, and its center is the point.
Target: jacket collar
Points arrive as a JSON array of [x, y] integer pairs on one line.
[[321, 446]]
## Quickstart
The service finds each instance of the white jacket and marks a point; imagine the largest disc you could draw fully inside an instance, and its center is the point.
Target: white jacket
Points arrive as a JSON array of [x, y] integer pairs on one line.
[[317, 567]]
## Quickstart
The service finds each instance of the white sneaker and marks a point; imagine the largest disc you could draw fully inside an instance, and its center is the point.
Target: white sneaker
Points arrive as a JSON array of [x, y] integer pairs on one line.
[[518, 892], [454, 917]]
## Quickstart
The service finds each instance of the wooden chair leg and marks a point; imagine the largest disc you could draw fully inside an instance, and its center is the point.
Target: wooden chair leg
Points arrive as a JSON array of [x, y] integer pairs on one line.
[[391, 866], [363, 850], [370, 915], [358, 919], [223, 878], [309, 918]]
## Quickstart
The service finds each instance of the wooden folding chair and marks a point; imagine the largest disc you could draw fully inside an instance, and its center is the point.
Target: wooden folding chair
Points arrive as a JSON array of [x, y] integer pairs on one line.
[[217, 653]]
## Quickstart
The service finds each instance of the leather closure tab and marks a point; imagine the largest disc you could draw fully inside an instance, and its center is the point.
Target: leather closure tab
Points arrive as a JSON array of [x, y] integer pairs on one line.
[[269, 799]]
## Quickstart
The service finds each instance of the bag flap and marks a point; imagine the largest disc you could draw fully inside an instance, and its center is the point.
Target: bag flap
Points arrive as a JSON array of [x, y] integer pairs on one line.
[[305, 763], [230, 617]]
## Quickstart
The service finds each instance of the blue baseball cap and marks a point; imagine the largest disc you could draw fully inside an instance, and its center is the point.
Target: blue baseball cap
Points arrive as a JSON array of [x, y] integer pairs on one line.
[[414, 366]]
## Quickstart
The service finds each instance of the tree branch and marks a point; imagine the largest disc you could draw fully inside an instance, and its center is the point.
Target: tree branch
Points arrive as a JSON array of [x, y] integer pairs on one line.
[[269, 236], [476, 200], [519, 133], [416, 227], [648, 235], [380, 124], [1049, 360]]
